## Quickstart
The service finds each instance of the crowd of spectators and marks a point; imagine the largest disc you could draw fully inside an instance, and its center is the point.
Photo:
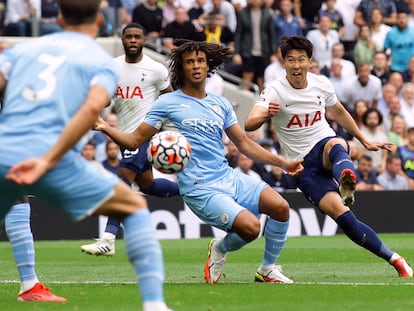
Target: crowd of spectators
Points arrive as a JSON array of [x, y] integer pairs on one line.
[[365, 48]]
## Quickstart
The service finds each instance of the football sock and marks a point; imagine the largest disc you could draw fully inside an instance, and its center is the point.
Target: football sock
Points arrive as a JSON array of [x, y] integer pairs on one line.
[[112, 226], [363, 235], [144, 252], [17, 224], [340, 160], [231, 242], [162, 188], [275, 238]]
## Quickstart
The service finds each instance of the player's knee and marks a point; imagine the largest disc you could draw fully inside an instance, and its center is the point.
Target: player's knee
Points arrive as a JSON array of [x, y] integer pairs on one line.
[[251, 230]]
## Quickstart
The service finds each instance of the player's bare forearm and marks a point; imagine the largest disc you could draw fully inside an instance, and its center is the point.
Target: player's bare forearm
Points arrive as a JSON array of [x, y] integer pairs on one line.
[[133, 140], [256, 118]]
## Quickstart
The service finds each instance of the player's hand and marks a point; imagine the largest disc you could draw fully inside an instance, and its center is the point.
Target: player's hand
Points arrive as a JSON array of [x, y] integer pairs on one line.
[[274, 108], [293, 167], [28, 171], [375, 146], [100, 125]]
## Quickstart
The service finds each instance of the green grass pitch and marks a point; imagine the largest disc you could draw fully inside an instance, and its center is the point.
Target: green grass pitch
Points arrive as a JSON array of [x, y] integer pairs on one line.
[[330, 273]]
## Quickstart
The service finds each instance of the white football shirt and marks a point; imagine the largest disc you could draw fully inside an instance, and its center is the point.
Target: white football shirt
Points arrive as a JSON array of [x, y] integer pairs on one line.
[[138, 87], [301, 121]]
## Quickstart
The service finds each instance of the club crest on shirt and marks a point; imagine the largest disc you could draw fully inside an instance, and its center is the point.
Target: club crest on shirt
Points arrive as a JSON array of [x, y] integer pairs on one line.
[[319, 99], [217, 109]]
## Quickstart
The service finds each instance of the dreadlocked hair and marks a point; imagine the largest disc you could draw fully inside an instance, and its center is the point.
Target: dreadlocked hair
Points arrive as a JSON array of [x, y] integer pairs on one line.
[[216, 56]]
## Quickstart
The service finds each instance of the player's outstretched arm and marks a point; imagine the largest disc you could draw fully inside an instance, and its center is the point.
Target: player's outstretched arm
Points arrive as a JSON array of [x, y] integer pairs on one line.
[[256, 152], [130, 141]]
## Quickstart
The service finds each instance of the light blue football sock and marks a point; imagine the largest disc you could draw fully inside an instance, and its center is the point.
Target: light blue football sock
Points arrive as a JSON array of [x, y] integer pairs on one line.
[[275, 238], [144, 252], [17, 224], [231, 242]]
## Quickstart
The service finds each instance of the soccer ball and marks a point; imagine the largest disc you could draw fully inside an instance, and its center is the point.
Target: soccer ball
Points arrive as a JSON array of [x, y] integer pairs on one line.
[[169, 152]]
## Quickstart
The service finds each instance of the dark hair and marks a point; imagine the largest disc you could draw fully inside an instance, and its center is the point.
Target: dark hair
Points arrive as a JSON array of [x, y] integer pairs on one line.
[[134, 25], [78, 12], [368, 112], [288, 43], [216, 56]]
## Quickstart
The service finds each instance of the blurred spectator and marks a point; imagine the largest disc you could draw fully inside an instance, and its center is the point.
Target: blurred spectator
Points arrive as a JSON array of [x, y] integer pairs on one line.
[[360, 107], [225, 9], [364, 50], [254, 42], [394, 109], [323, 40], [286, 24], [180, 28], [338, 79], [149, 15], [307, 12], [272, 7], [398, 134], [406, 154], [49, 17], [111, 163], [388, 91], [239, 5], [89, 150], [393, 178], [372, 130], [366, 176], [196, 14], [380, 68], [348, 67], [275, 69], [400, 41], [168, 12], [347, 8], [244, 165], [217, 32], [279, 180], [18, 17], [337, 22], [408, 75], [364, 86], [363, 11], [396, 79], [407, 103], [378, 29]]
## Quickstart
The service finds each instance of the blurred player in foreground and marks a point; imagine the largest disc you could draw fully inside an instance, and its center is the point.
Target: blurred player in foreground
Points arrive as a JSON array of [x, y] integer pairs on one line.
[[217, 194], [296, 104], [57, 86]]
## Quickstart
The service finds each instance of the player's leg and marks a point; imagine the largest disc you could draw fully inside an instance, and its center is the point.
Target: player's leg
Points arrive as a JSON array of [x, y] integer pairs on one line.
[[142, 248], [336, 158], [89, 190], [159, 187], [17, 225], [275, 233]]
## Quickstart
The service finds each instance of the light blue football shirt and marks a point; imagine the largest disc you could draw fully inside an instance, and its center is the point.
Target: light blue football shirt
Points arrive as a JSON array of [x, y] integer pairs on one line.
[[48, 80], [202, 122]]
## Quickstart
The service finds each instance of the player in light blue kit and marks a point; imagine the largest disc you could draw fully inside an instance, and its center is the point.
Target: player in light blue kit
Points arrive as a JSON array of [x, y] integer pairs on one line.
[[55, 89], [217, 194]]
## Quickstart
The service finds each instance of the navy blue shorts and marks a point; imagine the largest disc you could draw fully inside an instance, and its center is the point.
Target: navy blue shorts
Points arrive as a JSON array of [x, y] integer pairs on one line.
[[136, 160], [315, 181]]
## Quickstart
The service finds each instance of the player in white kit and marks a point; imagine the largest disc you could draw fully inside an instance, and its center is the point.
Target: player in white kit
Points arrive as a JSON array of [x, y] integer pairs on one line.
[[296, 105], [141, 81]]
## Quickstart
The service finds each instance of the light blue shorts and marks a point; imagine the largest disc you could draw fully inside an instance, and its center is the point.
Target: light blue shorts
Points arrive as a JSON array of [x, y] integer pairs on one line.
[[218, 203], [75, 185]]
